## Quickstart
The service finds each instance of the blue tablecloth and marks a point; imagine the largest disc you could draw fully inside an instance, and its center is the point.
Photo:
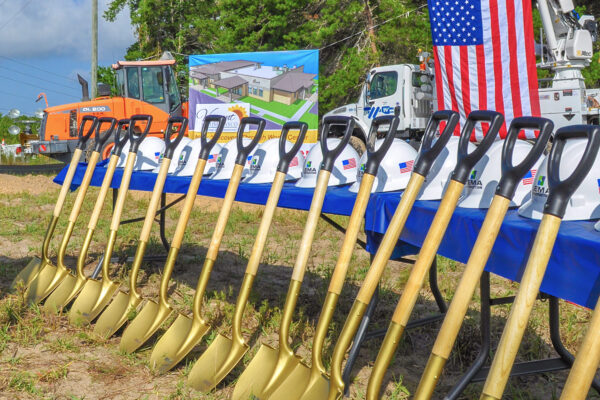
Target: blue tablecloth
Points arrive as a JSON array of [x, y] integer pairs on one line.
[[573, 271]]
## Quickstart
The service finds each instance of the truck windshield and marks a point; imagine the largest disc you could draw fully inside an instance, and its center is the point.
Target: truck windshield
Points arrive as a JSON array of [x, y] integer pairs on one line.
[[152, 84], [383, 84]]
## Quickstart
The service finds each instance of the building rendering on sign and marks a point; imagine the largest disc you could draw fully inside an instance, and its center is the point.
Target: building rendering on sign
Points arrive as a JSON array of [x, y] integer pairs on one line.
[[248, 78]]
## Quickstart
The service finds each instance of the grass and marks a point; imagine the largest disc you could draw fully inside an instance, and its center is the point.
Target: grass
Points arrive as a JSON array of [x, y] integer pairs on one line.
[[274, 106], [273, 119], [311, 119], [46, 357]]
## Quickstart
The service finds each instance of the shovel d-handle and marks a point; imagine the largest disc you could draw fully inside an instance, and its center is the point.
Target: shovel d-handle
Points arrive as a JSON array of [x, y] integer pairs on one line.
[[560, 191], [170, 142], [100, 139], [207, 145], [243, 151], [374, 156], [512, 174], [121, 136], [285, 158], [136, 139], [430, 147], [330, 155], [83, 135], [466, 161], [586, 363]]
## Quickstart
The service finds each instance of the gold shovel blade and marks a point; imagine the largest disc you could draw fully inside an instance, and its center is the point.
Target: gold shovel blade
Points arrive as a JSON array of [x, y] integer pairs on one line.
[[302, 383], [64, 293], [47, 280], [27, 274], [264, 374], [94, 296], [181, 338], [116, 314], [143, 326], [216, 363]]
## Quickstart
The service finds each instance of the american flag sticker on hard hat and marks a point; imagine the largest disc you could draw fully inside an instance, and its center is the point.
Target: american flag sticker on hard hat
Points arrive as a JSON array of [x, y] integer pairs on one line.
[[212, 157], [406, 166], [349, 163], [528, 178], [294, 162]]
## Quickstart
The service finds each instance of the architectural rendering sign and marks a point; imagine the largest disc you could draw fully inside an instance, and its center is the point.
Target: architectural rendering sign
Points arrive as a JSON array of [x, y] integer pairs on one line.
[[278, 86]]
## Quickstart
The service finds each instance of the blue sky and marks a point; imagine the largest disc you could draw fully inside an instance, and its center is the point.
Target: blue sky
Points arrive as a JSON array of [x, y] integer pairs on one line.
[[45, 43]]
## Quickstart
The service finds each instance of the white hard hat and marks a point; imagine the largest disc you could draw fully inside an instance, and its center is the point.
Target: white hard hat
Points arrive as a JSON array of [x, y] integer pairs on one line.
[[394, 169], [263, 164], [439, 174], [344, 168], [148, 155], [585, 202], [226, 160], [481, 185], [177, 156], [189, 158]]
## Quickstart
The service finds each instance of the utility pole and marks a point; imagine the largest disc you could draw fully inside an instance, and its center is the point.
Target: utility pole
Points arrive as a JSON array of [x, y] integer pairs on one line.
[[94, 71]]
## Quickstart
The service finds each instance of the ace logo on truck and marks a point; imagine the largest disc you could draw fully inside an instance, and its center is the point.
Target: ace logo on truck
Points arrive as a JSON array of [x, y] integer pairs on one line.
[[373, 111]]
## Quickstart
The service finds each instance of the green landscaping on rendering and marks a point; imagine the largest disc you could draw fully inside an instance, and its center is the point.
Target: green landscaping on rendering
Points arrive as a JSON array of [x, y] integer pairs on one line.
[[275, 107]]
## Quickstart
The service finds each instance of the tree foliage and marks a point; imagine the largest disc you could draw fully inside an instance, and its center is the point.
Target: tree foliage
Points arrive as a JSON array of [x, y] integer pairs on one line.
[[340, 28]]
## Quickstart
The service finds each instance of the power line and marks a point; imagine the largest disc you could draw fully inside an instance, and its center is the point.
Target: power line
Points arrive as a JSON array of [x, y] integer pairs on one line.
[[38, 78], [16, 95], [38, 87], [38, 68], [13, 17]]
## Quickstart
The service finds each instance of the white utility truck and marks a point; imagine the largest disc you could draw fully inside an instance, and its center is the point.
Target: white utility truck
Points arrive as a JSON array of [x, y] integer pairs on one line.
[[566, 49]]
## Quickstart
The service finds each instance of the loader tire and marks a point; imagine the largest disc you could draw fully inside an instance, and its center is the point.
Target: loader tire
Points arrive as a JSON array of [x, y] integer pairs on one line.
[[104, 152]]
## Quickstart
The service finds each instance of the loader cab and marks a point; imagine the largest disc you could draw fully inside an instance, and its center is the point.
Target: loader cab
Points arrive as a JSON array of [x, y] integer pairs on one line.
[[152, 82]]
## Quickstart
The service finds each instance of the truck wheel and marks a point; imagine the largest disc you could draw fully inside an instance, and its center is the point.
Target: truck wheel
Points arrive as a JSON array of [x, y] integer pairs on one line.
[[104, 152], [358, 144]]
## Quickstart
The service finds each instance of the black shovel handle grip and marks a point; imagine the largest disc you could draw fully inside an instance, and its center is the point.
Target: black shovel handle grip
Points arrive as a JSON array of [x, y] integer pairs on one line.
[[512, 174], [330, 155], [374, 157], [286, 157], [466, 161], [137, 139], [83, 138], [561, 190], [170, 142], [100, 140], [243, 151], [430, 151], [121, 136], [206, 145]]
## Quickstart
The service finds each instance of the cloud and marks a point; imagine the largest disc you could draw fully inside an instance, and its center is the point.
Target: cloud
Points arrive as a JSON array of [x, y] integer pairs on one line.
[[61, 28]]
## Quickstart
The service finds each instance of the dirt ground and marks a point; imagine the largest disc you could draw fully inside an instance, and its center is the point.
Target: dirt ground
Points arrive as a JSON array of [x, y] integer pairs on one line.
[[44, 357]]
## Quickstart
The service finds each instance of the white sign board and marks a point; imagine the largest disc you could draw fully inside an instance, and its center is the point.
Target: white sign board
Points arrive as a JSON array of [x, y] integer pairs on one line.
[[233, 113]]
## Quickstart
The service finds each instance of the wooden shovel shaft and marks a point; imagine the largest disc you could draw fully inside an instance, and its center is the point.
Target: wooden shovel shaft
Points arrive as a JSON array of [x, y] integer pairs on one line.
[[85, 184], [265, 224], [312, 220], [390, 239], [110, 171], [159, 185], [427, 253], [463, 295], [123, 188], [585, 366], [354, 224], [522, 306], [66, 186], [188, 203]]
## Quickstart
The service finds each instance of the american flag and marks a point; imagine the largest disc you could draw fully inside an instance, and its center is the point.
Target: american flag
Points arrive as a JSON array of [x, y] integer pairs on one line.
[[294, 162], [212, 158], [349, 163], [528, 179], [598, 181], [406, 166], [485, 58]]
